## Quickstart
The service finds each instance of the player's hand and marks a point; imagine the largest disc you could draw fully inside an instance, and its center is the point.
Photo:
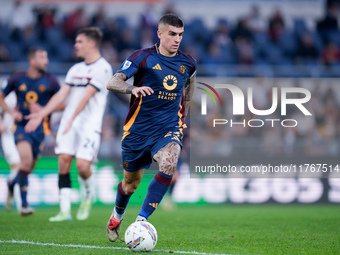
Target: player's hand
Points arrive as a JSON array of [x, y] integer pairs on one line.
[[68, 126], [3, 128], [34, 107], [17, 116], [34, 121], [138, 91]]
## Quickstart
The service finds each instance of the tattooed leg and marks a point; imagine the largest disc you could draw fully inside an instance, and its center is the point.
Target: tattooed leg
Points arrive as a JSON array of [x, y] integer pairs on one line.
[[166, 158]]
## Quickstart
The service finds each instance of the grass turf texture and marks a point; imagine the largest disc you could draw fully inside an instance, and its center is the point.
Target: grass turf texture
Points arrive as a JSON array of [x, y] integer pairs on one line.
[[229, 229]]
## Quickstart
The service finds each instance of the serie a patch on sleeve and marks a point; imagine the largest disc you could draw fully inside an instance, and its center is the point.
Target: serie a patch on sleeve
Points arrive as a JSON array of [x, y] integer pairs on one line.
[[126, 65]]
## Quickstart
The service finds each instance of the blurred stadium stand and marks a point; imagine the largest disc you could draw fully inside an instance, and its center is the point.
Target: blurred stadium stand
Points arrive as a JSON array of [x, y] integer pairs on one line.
[[234, 38]]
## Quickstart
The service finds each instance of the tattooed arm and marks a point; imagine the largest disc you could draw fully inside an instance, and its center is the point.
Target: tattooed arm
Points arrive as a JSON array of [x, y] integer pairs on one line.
[[118, 84], [188, 92]]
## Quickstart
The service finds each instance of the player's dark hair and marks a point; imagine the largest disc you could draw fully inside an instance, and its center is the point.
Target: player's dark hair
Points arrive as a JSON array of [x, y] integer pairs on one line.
[[172, 20], [93, 33], [32, 50]]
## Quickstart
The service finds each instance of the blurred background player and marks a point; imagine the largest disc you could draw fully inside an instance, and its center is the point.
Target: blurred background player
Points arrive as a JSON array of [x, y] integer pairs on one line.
[[80, 127], [33, 89], [9, 148], [164, 79]]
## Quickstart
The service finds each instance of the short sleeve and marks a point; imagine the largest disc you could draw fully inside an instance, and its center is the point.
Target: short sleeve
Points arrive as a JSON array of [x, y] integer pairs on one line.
[[69, 75], [8, 85], [54, 83], [193, 70], [129, 68], [193, 74], [101, 77], [131, 64]]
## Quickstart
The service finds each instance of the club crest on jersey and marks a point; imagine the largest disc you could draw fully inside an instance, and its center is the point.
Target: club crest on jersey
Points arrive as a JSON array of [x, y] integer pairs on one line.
[[126, 65], [182, 69], [170, 82], [42, 88], [23, 87], [126, 164]]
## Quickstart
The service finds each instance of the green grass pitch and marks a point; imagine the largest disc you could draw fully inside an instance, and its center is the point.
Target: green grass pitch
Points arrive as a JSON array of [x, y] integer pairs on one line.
[[216, 229]]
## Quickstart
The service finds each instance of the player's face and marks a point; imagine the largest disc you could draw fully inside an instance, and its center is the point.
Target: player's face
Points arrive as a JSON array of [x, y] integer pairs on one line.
[[170, 39], [82, 45], [40, 61]]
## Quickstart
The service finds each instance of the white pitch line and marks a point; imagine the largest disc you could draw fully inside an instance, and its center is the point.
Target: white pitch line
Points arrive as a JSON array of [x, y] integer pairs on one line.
[[101, 247]]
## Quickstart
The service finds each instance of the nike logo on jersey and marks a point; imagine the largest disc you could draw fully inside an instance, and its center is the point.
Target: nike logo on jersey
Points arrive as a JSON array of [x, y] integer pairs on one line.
[[157, 67], [154, 205]]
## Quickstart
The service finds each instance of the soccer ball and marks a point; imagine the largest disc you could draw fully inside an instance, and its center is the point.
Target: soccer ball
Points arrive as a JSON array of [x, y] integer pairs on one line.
[[141, 236]]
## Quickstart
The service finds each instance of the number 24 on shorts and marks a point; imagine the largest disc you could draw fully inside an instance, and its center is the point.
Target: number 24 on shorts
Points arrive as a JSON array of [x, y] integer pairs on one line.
[[89, 144]]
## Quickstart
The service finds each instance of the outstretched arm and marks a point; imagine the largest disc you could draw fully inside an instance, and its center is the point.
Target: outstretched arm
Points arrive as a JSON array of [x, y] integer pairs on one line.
[[35, 107], [54, 103], [15, 114], [188, 92], [118, 84], [3, 127]]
